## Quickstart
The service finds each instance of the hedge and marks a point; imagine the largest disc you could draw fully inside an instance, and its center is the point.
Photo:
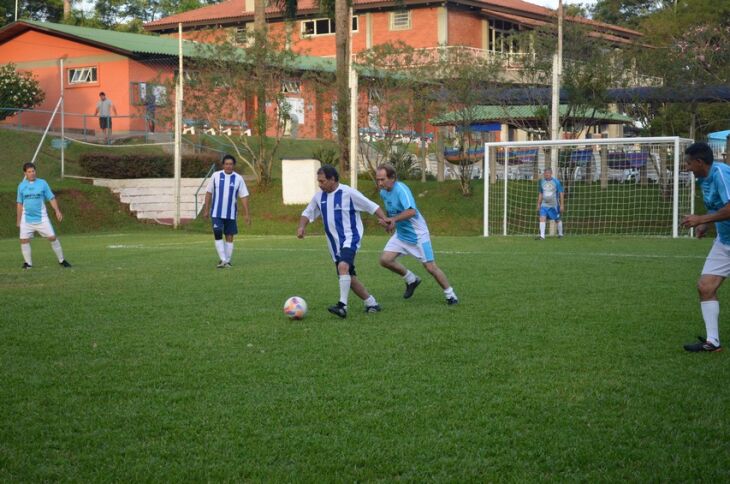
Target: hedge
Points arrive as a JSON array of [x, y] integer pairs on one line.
[[104, 165]]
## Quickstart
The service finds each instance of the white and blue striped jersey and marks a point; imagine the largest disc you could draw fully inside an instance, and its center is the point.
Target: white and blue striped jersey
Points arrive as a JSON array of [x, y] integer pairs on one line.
[[225, 191], [399, 199], [340, 212]]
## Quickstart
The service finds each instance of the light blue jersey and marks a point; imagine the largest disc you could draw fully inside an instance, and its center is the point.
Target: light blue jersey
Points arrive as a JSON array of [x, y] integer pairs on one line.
[[550, 190], [400, 199], [716, 194], [33, 196]]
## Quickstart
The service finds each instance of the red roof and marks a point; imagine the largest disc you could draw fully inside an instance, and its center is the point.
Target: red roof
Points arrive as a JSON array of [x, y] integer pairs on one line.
[[517, 10]]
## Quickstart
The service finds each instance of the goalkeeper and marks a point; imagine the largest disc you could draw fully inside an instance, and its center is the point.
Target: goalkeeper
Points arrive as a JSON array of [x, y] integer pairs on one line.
[[550, 201]]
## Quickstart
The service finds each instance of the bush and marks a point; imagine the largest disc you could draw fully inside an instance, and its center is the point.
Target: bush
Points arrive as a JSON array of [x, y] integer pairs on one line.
[[104, 165], [18, 90]]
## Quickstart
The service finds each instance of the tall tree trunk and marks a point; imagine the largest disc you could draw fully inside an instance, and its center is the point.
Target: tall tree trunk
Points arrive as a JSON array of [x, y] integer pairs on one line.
[[342, 41], [66, 9], [260, 38]]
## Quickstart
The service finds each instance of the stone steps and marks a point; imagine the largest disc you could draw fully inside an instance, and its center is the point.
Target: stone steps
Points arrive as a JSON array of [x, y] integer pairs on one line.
[[153, 198]]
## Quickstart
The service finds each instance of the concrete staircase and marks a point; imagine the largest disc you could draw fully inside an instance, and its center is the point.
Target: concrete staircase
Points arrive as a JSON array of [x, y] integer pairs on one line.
[[153, 198]]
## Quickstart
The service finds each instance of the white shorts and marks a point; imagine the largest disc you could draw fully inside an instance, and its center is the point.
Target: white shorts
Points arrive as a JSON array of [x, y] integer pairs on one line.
[[421, 251], [718, 260], [44, 228]]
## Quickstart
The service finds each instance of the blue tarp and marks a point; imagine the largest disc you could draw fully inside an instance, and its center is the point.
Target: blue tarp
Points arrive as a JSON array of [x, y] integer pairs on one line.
[[718, 135]]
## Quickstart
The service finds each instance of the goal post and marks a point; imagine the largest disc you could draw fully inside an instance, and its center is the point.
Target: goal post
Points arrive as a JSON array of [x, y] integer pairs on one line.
[[613, 186]]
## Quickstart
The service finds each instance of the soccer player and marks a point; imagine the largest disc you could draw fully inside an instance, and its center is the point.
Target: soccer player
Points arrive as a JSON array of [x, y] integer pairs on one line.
[[33, 193], [548, 205], [225, 188], [714, 181], [340, 206], [411, 235], [104, 109]]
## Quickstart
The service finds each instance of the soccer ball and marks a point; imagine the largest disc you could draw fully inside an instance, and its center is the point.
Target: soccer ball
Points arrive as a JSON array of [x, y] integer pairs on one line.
[[295, 308]]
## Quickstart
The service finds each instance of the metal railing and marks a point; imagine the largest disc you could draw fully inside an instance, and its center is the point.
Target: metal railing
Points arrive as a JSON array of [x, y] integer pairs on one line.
[[78, 124], [207, 175]]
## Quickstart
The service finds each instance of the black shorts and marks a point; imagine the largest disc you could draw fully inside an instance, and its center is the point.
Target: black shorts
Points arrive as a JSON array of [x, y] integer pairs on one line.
[[347, 255], [229, 226], [105, 122]]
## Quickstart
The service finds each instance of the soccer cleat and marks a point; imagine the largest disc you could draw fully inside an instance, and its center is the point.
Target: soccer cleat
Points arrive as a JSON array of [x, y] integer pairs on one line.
[[221, 265], [702, 345], [539, 238], [560, 236], [64, 263], [375, 308], [26, 266], [227, 265], [411, 288], [451, 301], [338, 309]]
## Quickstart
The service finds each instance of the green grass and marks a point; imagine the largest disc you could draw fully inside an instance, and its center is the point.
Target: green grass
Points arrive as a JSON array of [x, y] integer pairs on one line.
[[563, 362]]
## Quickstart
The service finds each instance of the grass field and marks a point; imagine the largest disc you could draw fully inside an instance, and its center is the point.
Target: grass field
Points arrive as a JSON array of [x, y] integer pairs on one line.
[[562, 362]]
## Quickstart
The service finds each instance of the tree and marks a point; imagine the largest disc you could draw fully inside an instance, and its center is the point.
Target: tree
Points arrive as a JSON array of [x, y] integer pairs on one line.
[[392, 107], [50, 10], [628, 13], [18, 90], [220, 72]]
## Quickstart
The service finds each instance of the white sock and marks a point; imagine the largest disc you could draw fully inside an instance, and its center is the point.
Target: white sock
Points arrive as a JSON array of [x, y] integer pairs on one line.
[[25, 249], [229, 251], [711, 314], [560, 228], [542, 229], [410, 277], [56, 246], [449, 293], [221, 249], [344, 289], [370, 301]]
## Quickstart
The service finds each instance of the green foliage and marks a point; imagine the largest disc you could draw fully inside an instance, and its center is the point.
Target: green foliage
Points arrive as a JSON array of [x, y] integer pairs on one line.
[[405, 164], [628, 13], [18, 90], [49, 10], [106, 165], [327, 155]]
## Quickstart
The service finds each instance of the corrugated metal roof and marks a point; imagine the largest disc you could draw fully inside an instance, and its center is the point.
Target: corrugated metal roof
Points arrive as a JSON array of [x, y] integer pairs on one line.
[[496, 113], [119, 41], [139, 44]]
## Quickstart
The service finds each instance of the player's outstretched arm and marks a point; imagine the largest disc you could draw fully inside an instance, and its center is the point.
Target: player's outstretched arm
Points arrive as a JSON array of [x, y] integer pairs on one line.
[[54, 204], [302, 228], [246, 213], [206, 204], [718, 216]]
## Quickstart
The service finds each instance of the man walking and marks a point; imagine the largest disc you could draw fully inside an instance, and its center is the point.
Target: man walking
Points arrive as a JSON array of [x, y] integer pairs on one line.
[[104, 109], [224, 190]]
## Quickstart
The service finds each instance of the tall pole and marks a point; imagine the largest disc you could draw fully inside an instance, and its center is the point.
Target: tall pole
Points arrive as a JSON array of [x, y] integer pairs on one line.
[[555, 108], [557, 72], [63, 131], [16, 10], [178, 123], [352, 76]]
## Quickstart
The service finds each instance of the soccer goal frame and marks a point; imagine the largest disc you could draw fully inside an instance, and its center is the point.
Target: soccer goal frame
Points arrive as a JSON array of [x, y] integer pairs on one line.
[[552, 154]]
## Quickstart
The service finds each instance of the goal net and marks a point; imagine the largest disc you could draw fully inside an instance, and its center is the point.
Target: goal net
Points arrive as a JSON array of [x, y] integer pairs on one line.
[[631, 186]]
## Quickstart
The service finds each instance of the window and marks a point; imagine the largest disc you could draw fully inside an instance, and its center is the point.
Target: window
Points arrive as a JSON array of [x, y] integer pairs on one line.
[[291, 87], [242, 35], [143, 92], [502, 37], [400, 20], [323, 26], [82, 75]]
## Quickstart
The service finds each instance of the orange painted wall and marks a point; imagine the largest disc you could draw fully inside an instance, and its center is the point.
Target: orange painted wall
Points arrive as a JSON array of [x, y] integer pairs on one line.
[[39, 52], [464, 29]]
